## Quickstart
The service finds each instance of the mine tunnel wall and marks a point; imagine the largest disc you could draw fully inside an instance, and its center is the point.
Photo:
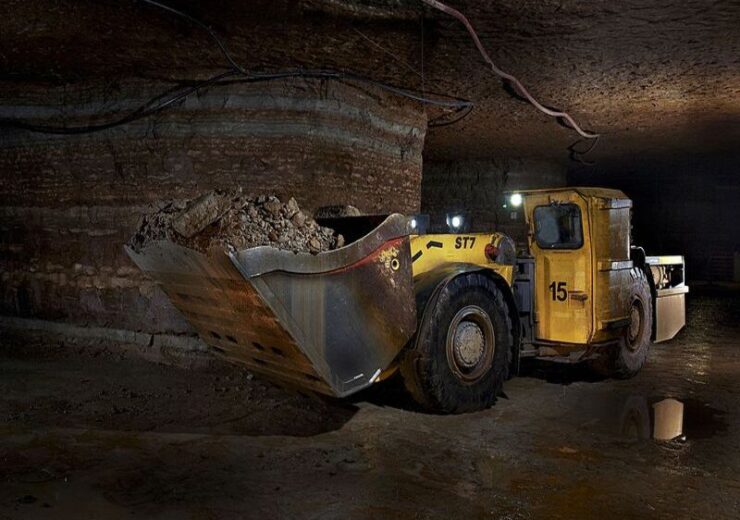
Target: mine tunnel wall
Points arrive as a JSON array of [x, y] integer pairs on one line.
[[475, 188], [68, 204]]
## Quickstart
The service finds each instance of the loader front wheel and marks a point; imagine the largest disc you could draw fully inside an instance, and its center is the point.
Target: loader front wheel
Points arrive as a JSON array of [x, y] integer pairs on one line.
[[460, 358]]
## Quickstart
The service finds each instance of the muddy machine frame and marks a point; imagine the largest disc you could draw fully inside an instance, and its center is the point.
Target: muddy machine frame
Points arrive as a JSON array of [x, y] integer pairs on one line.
[[453, 313], [577, 296]]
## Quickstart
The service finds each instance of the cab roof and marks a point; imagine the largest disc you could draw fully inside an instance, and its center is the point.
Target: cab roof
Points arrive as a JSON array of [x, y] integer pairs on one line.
[[602, 193]]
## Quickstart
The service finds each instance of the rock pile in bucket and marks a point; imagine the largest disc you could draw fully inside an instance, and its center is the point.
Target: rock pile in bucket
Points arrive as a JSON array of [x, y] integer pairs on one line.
[[232, 220]]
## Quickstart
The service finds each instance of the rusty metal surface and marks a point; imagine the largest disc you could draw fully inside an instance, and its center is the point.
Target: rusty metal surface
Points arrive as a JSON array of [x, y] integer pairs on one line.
[[328, 323], [265, 259]]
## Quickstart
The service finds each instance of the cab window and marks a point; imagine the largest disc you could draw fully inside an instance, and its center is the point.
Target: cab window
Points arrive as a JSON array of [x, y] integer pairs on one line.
[[558, 226]]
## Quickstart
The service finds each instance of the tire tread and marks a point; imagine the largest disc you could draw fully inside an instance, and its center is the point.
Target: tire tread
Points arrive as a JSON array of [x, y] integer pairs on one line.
[[424, 368]]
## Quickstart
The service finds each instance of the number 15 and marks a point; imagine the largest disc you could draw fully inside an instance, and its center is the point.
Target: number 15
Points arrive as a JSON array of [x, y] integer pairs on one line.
[[559, 291]]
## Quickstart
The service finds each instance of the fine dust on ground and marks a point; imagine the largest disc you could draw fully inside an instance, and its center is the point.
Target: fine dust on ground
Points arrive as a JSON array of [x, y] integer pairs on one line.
[[109, 436]]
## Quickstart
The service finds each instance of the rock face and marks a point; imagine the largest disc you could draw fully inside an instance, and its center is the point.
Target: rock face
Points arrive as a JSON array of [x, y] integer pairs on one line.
[[476, 188], [232, 220], [68, 204]]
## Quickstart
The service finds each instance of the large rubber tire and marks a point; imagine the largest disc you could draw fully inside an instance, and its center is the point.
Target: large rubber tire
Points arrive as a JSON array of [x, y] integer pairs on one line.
[[630, 354], [437, 382]]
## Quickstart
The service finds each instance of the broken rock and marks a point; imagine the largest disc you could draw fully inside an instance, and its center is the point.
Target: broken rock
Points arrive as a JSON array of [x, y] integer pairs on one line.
[[201, 212], [234, 221]]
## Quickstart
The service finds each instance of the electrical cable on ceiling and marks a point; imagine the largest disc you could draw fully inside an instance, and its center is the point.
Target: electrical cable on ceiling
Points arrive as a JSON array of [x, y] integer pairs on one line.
[[238, 74], [320, 73], [230, 77], [144, 111], [203, 26], [578, 155], [386, 51], [448, 101], [504, 75], [443, 120]]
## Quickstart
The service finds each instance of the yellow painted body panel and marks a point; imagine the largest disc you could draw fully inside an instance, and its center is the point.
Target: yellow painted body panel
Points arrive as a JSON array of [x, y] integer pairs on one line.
[[429, 252], [595, 279], [582, 296], [563, 277]]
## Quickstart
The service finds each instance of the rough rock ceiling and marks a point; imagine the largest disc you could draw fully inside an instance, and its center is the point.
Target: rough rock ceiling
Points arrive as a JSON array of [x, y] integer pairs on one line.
[[651, 76], [654, 77]]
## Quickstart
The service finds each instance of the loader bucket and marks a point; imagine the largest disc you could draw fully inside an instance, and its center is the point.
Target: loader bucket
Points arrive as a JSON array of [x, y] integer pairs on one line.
[[329, 323]]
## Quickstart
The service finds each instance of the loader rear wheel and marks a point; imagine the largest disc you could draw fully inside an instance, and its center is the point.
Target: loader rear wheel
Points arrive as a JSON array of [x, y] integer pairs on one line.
[[460, 358], [630, 354]]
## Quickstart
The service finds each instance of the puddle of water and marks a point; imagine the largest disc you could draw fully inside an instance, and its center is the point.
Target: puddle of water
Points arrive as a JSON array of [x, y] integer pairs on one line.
[[656, 417], [701, 421]]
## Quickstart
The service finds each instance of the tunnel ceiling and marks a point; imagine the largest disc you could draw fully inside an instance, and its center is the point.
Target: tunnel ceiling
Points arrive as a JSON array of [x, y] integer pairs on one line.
[[653, 77]]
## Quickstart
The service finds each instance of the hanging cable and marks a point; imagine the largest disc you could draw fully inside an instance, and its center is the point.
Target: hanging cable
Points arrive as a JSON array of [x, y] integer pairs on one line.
[[148, 109], [457, 103], [441, 100], [320, 73], [444, 120], [203, 26], [578, 155], [508, 77], [238, 74], [152, 107]]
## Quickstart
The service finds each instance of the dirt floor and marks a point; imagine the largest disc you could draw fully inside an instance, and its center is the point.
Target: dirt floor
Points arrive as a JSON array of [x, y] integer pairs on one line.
[[87, 433]]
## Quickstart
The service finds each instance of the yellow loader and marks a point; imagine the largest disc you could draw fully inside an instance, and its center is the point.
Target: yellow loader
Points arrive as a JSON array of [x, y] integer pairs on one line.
[[453, 313]]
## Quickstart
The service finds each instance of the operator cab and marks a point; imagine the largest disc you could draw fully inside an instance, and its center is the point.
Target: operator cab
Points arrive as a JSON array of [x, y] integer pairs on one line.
[[576, 282]]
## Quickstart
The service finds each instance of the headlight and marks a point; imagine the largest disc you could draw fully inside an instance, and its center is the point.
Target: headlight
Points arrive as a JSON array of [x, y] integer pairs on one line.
[[516, 199], [456, 222]]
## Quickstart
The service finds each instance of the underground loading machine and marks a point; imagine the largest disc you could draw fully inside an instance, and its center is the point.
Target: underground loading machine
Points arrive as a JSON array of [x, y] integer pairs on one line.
[[453, 313]]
